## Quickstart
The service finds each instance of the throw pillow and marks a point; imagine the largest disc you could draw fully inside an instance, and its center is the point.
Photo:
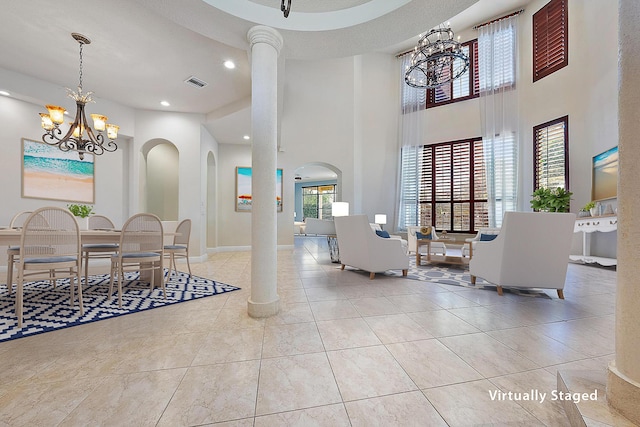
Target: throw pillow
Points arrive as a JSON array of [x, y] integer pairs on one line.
[[419, 236], [487, 237], [383, 233]]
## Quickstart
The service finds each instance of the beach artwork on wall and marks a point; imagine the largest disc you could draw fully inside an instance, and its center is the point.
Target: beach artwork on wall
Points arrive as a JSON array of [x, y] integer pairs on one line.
[[243, 189], [53, 174]]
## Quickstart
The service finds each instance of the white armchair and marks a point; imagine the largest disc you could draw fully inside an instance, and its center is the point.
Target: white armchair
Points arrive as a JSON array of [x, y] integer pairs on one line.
[[361, 248], [531, 251], [484, 234], [437, 248]]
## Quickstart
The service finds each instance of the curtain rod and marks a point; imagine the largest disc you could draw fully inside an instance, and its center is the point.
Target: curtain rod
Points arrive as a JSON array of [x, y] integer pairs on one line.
[[498, 19], [518, 12]]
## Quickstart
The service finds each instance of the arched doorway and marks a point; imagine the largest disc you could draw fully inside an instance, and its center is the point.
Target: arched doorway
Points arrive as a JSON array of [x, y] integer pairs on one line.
[[316, 186], [162, 179]]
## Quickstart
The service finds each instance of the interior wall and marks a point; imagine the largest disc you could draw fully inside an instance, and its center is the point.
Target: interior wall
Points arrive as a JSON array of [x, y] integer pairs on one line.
[[185, 132], [163, 181], [20, 120], [212, 205]]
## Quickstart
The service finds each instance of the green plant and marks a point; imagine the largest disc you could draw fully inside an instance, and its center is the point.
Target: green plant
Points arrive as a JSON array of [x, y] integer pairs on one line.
[[82, 211], [589, 206], [551, 200]]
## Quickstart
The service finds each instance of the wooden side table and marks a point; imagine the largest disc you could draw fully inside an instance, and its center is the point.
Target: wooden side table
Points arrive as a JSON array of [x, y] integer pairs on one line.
[[446, 259]]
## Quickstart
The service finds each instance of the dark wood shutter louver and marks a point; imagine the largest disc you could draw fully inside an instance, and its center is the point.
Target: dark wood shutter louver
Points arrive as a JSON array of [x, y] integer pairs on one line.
[[550, 39]]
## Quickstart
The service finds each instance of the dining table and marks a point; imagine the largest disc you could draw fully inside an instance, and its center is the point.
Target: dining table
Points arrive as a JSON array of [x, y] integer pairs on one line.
[[11, 237]]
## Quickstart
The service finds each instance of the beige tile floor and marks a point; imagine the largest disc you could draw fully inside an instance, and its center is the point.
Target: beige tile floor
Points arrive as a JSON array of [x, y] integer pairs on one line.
[[344, 351]]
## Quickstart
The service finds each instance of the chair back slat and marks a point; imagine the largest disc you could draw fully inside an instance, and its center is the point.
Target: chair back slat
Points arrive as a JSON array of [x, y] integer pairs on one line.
[[18, 219], [183, 233], [100, 221], [50, 232], [142, 233]]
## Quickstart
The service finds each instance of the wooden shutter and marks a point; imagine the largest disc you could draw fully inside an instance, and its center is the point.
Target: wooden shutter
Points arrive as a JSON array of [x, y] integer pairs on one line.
[[551, 155], [550, 39]]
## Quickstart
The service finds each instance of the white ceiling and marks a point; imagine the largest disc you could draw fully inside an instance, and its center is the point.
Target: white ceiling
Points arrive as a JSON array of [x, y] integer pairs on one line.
[[143, 50]]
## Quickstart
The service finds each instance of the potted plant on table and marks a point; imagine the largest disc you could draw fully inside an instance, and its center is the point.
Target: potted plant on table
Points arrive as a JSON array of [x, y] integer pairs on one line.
[[82, 213], [551, 200], [589, 209]]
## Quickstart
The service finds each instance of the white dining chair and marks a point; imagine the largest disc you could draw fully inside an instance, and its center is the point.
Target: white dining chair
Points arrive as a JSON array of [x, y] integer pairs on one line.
[[140, 249], [49, 250], [180, 246], [98, 250]]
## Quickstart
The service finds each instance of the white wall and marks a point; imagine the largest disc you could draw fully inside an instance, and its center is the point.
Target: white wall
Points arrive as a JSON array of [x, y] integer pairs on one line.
[[184, 132], [20, 120]]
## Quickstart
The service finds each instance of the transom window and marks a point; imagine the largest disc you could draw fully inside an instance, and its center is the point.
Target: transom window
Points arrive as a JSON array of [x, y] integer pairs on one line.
[[551, 154]]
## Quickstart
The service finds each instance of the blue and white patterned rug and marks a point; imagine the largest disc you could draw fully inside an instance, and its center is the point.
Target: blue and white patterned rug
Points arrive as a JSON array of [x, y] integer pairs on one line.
[[455, 275], [47, 309]]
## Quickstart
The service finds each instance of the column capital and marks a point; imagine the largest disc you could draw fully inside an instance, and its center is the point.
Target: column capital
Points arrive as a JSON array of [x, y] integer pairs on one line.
[[264, 34]]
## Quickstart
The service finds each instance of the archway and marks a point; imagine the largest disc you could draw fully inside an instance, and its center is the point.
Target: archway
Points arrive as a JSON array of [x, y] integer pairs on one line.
[[212, 231], [162, 179], [321, 176]]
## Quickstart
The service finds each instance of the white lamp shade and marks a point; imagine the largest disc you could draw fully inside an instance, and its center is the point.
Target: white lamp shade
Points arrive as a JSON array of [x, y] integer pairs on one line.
[[340, 208], [380, 219]]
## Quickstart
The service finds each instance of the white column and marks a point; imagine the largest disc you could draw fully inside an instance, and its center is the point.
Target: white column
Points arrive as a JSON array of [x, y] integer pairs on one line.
[[265, 46], [623, 384]]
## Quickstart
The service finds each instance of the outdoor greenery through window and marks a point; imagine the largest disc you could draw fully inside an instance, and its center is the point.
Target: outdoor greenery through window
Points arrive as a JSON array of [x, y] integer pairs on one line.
[[451, 187], [316, 201], [551, 154]]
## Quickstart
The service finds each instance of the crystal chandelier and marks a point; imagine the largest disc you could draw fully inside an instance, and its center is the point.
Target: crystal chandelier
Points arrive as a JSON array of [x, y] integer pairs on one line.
[[80, 137], [286, 8], [436, 60]]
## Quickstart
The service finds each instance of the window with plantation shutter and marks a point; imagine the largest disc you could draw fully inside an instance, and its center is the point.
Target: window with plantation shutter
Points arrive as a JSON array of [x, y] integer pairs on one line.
[[550, 39], [451, 186], [462, 88], [551, 154]]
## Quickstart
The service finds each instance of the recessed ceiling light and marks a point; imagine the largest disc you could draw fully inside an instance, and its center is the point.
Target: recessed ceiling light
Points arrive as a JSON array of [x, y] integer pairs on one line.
[[246, 137], [165, 103], [4, 93], [229, 64]]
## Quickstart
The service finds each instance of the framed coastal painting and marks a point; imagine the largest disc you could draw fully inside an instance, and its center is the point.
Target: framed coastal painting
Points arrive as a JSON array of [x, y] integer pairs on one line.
[[604, 179], [52, 174], [244, 192]]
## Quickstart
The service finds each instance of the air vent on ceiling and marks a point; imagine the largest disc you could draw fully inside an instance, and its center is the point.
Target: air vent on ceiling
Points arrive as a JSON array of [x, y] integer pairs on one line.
[[298, 178], [196, 82]]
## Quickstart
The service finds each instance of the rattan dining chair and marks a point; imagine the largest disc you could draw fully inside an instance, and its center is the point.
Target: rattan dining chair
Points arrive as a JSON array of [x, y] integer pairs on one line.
[[141, 249], [14, 251], [50, 250], [180, 246], [98, 250]]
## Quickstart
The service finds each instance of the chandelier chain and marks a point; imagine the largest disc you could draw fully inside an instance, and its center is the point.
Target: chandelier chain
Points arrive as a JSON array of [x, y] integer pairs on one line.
[[80, 73]]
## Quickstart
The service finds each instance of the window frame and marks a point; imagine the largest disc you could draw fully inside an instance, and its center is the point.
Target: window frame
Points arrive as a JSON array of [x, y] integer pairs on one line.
[[474, 90], [543, 35], [428, 173], [565, 121], [318, 196]]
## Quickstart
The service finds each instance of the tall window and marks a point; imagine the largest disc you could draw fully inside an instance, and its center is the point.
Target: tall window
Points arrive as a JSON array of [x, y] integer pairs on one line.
[[316, 201], [551, 154], [452, 188], [550, 39], [464, 87]]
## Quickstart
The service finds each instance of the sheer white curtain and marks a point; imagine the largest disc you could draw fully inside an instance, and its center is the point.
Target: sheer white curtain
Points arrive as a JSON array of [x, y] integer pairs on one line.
[[497, 66], [412, 103]]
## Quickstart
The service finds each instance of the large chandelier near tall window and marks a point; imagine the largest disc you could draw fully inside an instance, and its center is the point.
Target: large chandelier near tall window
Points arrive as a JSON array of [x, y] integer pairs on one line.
[[285, 7], [436, 60], [80, 137]]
